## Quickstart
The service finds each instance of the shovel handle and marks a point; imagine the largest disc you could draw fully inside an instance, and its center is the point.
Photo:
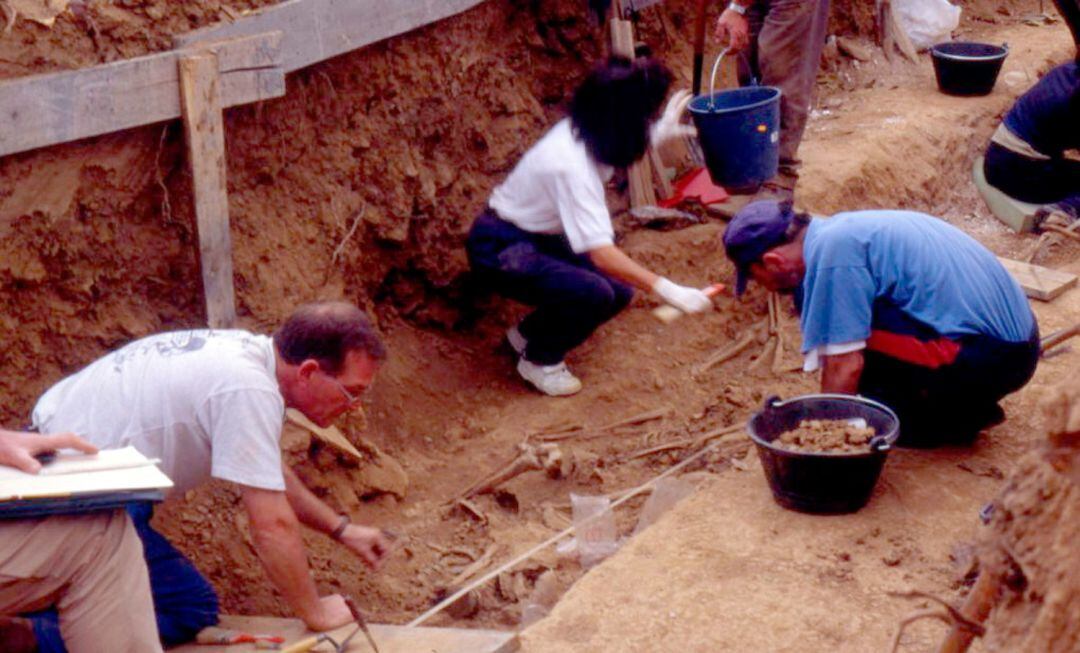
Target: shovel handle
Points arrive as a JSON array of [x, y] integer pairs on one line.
[[713, 290], [303, 645]]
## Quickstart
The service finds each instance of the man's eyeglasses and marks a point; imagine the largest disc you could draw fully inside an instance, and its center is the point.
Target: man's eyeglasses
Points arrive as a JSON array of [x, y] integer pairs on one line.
[[349, 397]]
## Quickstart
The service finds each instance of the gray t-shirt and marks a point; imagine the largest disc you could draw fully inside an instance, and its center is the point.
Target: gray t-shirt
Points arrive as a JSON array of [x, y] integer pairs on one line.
[[205, 402]]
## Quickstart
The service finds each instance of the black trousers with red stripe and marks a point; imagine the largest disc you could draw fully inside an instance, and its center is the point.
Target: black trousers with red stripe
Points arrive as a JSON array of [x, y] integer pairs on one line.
[[942, 402]]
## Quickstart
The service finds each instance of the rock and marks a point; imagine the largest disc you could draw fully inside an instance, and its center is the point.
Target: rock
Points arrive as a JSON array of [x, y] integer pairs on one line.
[[465, 607]]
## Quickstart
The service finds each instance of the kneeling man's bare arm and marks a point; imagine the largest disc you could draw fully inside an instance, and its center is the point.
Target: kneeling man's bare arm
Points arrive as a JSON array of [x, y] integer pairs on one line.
[[840, 373], [276, 534]]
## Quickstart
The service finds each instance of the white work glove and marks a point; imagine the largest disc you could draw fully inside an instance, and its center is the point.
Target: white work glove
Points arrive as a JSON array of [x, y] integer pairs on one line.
[[668, 126], [687, 300]]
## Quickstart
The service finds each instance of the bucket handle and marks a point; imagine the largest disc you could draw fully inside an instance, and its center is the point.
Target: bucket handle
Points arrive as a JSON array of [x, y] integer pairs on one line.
[[712, 78], [880, 444]]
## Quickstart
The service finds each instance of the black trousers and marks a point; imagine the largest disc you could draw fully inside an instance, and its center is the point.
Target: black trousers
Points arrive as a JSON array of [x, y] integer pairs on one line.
[[1052, 181], [572, 297], [952, 400]]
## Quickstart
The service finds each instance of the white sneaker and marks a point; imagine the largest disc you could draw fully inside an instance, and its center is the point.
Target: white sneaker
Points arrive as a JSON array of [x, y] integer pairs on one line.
[[554, 380], [516, 340]]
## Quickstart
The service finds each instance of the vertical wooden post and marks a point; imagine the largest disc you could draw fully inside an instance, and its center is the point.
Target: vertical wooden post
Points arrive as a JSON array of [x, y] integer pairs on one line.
[[200, 99], [640, 173]]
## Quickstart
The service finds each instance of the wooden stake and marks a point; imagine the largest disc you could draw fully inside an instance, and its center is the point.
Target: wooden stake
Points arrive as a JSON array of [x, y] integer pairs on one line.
[[891, 32], [640, 174], [200, 98]]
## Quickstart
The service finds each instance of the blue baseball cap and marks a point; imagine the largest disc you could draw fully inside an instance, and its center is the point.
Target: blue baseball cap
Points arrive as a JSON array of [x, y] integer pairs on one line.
[[754, 230]]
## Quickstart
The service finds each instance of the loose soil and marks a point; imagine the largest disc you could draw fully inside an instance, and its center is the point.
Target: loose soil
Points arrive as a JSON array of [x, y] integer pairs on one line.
[[361, 183], [827, 435]]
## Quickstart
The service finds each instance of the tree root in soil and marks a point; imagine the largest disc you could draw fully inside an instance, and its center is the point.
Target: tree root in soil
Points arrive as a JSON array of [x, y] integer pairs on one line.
[[581, 432], [946, 614], [10, 15], [686, 443]]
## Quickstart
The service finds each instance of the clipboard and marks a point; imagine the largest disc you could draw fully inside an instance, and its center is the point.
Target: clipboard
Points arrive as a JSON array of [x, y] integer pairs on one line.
[[80, 483], [32, 508]]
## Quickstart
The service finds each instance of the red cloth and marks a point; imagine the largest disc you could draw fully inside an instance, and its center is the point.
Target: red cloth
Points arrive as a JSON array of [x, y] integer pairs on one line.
[[695, 185], [925, 353]]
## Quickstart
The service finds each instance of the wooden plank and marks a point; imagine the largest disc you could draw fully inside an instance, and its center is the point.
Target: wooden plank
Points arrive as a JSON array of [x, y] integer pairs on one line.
[[391, 639], [200, 92], [640, 174], [661, 177], [1038, 282], [316, 30], [331, 435], [41, 110]]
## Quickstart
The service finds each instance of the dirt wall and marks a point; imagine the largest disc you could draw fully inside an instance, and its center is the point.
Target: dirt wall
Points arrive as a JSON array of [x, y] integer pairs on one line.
[[360, 181], [1030, 544]]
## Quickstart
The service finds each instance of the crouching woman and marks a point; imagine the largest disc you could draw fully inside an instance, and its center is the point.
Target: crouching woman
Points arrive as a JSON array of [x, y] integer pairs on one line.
[[545, 237]]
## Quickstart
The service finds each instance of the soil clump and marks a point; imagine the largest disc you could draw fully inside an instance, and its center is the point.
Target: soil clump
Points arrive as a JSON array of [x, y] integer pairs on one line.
[[827, 436]]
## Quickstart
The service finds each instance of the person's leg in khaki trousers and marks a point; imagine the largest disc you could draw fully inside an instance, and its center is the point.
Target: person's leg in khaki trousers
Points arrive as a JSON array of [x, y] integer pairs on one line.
[[786, 41], [91, 568]]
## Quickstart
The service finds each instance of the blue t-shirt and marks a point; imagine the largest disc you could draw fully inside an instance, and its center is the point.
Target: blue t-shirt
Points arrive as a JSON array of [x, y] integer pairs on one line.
[[927, 268], [1048, 115]]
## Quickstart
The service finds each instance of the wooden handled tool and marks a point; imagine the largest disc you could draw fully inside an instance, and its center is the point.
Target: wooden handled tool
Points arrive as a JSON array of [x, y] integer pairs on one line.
[[1058, 337], [668, 313], [307, 644], [699, 45], [225, 636], [360, 621]]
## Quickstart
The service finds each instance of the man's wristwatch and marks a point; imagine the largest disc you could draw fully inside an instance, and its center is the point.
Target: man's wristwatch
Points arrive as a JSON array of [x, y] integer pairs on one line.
[[737, 8]]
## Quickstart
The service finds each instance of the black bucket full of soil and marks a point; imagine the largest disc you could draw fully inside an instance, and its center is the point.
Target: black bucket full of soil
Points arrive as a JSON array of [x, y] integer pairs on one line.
[[834, 460], [966, 68]]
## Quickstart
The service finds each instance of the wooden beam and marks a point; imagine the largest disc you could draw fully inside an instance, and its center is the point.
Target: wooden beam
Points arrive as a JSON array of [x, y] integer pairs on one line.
[[1038, 282], [640, 174], [255, 53], [320, 29], [391, 639], [41, 110], [200, 92]]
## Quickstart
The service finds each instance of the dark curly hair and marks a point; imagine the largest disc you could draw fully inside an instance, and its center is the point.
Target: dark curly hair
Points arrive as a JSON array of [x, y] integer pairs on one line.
[[327, 331], [612, 109]]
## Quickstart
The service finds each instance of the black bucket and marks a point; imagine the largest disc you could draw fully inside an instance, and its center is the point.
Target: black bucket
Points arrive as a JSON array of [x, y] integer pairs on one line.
[[822, 482], [966, 68]]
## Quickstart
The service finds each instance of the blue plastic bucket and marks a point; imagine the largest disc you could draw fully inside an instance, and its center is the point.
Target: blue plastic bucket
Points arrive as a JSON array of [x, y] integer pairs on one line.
[[739, 131]]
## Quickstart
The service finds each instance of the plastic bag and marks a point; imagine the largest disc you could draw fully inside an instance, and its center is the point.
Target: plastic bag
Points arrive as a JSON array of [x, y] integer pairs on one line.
[[543, 598], [927, 22], [594, 527], [665, 494]]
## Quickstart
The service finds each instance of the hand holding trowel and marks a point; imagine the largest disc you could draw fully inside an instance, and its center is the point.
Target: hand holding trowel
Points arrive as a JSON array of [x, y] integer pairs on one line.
[[668, 313]]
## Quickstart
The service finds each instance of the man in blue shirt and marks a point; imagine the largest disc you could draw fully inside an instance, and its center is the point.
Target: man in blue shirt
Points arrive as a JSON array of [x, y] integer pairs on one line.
[[897, 306]]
